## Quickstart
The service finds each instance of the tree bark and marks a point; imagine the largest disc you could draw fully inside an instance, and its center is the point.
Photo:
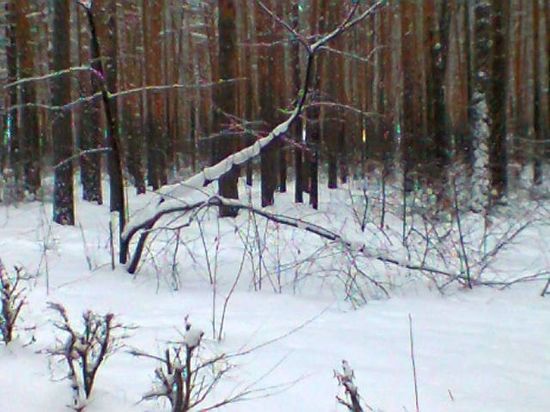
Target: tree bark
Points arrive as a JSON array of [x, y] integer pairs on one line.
[[225, 100], [63, 202], [296, 128], [498, 154], [29, 142], [268, 159], [155, 118], [89, 131], [132, 104], [11, 101]]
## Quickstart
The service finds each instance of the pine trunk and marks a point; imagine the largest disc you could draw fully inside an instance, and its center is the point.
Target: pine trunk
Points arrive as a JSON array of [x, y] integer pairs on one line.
[[226, 101]]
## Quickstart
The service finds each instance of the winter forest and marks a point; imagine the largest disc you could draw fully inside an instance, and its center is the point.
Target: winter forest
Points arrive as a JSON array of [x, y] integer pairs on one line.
[[278, 205]]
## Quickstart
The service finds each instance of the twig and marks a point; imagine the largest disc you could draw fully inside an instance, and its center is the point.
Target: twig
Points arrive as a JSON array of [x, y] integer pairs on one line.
[[411, 338]]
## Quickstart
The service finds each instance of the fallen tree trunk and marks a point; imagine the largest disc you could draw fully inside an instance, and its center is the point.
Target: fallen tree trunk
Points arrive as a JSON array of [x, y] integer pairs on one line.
[[171, 200]]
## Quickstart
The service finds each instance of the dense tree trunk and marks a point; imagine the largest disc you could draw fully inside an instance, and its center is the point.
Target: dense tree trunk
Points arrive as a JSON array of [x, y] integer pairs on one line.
[[63, 202], [498, 154], [90, 135], [479, 112], [439, 46], [264, 25], [105, 31], [313, 114], [132, 104], [542, 114], [11, 101], [414, 148], [334, 81], [29, 133], [114, 162], [155, 125], [226, 100]]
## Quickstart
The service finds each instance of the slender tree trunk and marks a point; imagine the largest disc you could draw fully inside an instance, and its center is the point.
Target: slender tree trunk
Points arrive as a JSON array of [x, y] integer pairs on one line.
[[281, 82], [155, 119], [413, 146], [29, 143], [63, 202], [313, 114], [498, 154], [479, 112], [104, 12], [132, 104], [296, 128], [264, 25], [334, 81], [11, 113], [226, 100], [89, 130], [439, 49], [542, 115], [114, 162]]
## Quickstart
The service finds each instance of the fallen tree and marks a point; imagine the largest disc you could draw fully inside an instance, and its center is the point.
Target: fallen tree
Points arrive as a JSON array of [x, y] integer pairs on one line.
[[181, 197]]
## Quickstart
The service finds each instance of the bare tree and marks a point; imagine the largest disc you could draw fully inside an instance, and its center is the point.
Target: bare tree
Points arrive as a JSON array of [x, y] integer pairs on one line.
[[85, 351], [12, 300]]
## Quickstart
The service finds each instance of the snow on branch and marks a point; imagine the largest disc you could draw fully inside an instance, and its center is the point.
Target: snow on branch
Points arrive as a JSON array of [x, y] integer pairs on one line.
[[12, 300], [346, 379], [217, 201], [85, 351]]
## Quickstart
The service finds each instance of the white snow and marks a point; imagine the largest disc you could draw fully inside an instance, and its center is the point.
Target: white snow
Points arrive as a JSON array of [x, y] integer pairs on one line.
[[192, 337], [481, 350]]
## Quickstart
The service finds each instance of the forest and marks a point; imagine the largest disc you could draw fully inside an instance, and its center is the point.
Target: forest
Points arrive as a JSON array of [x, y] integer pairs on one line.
[[407, 92], [225, 191]]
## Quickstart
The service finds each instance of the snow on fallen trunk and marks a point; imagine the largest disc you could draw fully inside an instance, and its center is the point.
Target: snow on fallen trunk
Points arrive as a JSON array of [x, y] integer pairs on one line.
[[189, 191]]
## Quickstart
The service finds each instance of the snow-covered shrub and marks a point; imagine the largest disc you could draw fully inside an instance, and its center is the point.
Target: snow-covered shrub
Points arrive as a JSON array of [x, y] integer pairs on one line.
[[183, 377], [352, 400], [12, 300], [85, 351]]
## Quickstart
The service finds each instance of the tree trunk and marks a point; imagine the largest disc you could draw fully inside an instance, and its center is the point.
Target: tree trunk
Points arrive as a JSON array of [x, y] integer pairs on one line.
[[498, 154], [29, 143], [63, 202], [155, 118], [296, 128], [264, 25], [479, 115], [132, 104], [11, 112], [313, 114], [414, 149], [542, 115], [226, 100], [89, 131], [334, 81], [114, 162], [439, 48]]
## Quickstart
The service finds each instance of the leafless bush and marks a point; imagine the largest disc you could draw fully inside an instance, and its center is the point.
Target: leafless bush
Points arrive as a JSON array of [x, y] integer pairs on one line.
[[351, 400], [12, 300], [84, 352], [183, 377]]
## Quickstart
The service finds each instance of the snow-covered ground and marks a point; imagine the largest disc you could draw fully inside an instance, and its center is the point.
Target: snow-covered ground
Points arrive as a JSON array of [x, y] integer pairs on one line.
[[482, 350]]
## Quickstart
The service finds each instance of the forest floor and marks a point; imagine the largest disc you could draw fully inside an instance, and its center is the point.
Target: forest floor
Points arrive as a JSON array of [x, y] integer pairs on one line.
[[485, 349]]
